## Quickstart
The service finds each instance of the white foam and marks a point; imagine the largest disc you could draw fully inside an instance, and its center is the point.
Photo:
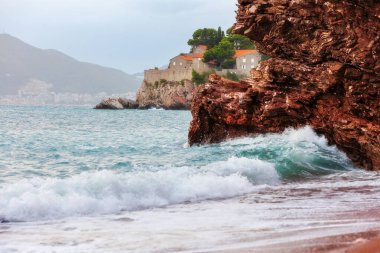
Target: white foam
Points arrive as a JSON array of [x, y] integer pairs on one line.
[[106, 192], [306, 134], [257, 171], [289, 136]]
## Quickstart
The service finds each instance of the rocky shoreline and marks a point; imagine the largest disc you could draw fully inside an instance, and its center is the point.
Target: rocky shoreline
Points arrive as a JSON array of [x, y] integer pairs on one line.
[[165, 95], [324, 72], [364, 242], [116, 104]]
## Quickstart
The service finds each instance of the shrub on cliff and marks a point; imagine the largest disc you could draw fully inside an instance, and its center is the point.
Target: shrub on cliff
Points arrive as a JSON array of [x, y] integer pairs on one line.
[[202, 78], [264, 57], [197, 78], [232, 76]]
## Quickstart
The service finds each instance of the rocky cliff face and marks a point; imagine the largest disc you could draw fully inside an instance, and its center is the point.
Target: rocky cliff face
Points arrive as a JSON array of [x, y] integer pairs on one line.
[[164, 94], [167, 95], [324, 71]]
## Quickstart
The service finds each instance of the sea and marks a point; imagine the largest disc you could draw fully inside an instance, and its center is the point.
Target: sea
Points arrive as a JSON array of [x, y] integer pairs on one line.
[[74, 179]]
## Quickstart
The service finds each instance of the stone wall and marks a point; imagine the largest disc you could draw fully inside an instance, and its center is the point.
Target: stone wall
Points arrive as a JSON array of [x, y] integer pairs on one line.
[[178, 63], [174, 75], [224, 72]]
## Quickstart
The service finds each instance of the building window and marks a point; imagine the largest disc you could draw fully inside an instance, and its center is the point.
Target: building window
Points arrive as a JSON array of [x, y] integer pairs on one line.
[[253, 60], [180, 63], [253, 66], [173, 63], [244, 60]]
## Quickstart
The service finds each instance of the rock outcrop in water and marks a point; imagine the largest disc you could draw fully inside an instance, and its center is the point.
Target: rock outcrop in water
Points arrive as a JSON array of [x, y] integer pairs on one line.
[[165, 94], [324, 71], [116, 104]]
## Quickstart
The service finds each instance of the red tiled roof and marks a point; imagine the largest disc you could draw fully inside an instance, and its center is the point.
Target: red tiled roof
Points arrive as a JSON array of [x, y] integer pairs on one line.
[[186, 57], [198, 55], [239, 53], [190, 57]]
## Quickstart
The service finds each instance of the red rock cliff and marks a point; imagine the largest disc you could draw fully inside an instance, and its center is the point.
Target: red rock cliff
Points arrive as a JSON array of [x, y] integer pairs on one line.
[[324, 71]]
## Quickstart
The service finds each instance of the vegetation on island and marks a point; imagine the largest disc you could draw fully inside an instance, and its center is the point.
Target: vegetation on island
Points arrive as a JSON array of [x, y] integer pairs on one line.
[[233, 76], [200, 78], [240, 42], [221, 55], [264, 57], [206, 36], [221, 46]]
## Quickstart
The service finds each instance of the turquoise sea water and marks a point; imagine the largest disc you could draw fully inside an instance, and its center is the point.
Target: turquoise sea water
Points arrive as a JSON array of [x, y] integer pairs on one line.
[[60, 163]]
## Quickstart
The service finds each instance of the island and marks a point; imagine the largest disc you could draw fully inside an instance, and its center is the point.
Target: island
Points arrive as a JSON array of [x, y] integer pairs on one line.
[[211, 51]]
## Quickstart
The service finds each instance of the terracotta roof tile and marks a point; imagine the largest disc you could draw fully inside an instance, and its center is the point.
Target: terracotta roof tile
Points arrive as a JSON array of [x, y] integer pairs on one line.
[[190, 57], [198, 55], [239, 53], [186, 57]]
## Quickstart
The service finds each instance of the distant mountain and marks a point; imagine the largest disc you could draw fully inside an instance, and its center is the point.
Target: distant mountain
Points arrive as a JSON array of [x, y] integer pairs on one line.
[[23, 66]]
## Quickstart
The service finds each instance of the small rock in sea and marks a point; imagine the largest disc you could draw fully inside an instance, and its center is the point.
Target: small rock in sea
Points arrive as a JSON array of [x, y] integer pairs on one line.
[[116, 104]]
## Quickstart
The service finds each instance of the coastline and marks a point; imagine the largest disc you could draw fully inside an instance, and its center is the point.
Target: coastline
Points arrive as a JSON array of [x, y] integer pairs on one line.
[[364, 242], [370, 246]]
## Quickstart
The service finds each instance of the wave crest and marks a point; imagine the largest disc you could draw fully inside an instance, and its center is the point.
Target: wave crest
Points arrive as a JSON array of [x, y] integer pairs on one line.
[[105, 192]]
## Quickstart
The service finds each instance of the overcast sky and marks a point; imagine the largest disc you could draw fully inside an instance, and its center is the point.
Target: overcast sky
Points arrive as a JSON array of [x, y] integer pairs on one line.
[[131, 35]]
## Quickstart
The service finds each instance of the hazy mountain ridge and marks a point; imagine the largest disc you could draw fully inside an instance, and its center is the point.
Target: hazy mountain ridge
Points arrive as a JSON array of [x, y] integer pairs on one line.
[[21, 64]]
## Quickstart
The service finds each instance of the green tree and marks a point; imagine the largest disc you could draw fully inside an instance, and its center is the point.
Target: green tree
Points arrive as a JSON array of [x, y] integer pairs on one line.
[[220, 34], [229, 31], [240, 42], [206, 36], [221, 48], [221, 54], [228, 63]]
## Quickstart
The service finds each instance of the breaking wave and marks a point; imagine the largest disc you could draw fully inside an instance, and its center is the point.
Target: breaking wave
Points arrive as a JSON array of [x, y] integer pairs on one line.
[[106, 192], [254, 162]]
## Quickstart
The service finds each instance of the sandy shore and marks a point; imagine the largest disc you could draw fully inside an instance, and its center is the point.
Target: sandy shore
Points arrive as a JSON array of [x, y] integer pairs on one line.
[[369, 246], [367, 242]]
